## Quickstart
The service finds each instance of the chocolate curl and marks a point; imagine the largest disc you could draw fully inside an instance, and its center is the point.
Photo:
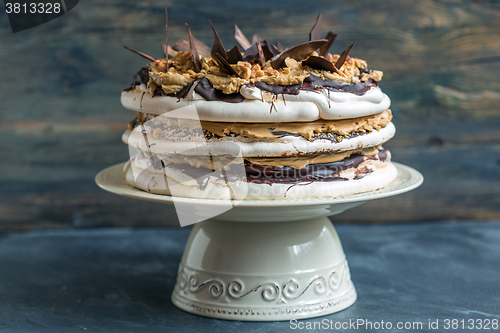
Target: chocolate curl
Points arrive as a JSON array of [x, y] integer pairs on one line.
[[261, 52], [315, 33], [234, 55], [343, 56], [319, 63], [140, 53], [194, 53], [218, 46], [240, 38], [331, 38], [182, 45], [280, 47], [298, 52], [224, 65]]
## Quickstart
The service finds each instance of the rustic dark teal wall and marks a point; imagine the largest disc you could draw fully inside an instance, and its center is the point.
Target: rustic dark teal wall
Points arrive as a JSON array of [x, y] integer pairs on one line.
[[61, 119]]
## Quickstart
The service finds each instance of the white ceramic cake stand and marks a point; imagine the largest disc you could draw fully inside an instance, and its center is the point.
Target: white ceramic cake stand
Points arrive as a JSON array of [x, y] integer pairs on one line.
[[237, 267]]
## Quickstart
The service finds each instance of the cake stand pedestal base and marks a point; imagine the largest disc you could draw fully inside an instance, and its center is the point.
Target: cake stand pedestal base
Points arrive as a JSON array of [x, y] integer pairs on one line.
[[264, 271], [263, 260]]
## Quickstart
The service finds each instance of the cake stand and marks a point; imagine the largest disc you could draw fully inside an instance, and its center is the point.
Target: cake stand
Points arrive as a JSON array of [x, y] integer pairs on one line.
[[263, 260]]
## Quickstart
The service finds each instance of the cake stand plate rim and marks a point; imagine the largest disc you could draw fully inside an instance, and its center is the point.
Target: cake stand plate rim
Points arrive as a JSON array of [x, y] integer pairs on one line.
[[112, 179]]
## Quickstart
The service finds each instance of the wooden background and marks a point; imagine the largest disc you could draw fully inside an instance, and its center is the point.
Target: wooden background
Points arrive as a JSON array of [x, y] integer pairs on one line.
[[61, 119]]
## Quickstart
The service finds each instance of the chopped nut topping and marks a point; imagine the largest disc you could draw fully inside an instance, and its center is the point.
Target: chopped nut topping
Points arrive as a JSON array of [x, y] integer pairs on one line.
[[181, 72]]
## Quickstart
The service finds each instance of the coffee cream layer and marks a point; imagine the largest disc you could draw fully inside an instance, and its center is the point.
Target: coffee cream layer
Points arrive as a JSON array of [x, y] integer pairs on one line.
[[164, 135]]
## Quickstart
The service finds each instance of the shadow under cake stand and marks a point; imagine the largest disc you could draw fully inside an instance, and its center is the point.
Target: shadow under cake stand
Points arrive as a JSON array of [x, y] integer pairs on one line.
[[263, 260]]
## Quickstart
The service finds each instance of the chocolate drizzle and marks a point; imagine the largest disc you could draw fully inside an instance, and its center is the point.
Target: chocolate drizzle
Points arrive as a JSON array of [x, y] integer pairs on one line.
[[205, 89], [313, 82], [262, 174], [313, 172], [291, 90]]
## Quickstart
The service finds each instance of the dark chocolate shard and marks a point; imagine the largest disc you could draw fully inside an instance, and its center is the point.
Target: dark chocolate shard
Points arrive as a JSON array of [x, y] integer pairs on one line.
[[299, 52], [319, 63], [165, 53], [314, 82], [182, 45], [224, 66], [331, 38], [253, 52], [255, 38], [270, 46], [315, 33], [140, 53], [234, 55], [205, 89], [194, 53], [240, 38], [168, 51], [280, 47], [268, 54], [260, 52], [218, 46], [343, 56]]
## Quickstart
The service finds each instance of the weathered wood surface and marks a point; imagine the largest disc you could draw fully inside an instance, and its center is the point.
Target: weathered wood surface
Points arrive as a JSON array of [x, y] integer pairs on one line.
[[61, 120]]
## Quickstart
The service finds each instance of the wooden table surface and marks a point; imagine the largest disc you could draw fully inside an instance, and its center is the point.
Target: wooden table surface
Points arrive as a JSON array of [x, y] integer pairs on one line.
[[61, 119]]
